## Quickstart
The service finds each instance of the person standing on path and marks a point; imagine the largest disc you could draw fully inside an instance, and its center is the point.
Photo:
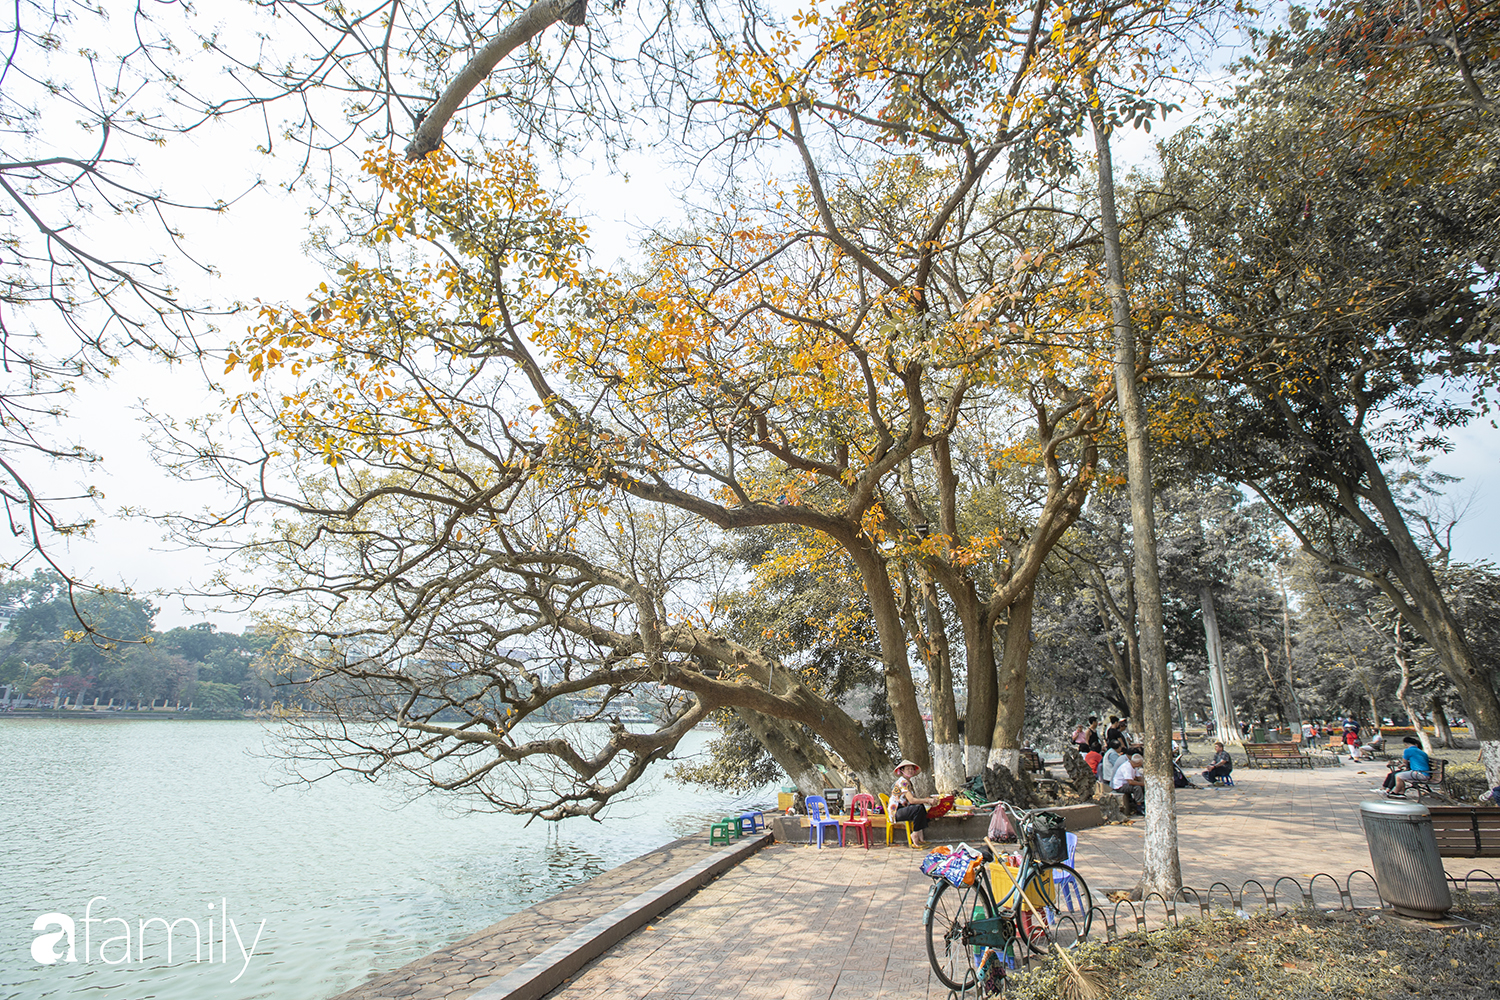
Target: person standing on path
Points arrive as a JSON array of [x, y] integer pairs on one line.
[[906, 805], [1351, 740], [1080, 738]]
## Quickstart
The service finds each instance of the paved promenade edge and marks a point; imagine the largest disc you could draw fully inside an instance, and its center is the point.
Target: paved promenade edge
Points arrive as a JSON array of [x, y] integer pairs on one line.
[[548, 970]]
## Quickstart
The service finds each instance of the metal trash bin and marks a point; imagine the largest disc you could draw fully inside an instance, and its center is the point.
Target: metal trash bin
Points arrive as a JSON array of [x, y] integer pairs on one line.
[[1403, 850]]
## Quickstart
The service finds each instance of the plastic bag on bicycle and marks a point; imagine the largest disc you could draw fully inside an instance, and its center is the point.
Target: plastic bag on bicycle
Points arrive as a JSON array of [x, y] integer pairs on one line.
[[957, 867], [1051, 836], [934, 858]]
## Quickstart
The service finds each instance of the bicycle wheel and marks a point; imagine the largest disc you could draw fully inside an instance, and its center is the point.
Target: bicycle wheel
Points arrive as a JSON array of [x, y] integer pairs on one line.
[[950, 911], [1054, 906]]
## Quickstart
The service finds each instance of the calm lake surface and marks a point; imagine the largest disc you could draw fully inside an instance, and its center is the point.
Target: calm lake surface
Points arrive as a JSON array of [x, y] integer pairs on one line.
[[179, 819]]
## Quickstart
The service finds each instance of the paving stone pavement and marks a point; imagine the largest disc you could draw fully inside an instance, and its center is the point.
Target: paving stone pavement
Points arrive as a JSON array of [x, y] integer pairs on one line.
[[797, 923], [792, 922], [1273, 822], [467, 966]]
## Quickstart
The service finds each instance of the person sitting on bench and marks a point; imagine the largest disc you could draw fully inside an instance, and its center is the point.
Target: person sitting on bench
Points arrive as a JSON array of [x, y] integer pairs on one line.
[[1129, 781], [1418, 768]]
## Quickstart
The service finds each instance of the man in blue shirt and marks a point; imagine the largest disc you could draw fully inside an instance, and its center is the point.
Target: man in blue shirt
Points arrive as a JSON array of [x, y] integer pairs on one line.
[[1418, 768]]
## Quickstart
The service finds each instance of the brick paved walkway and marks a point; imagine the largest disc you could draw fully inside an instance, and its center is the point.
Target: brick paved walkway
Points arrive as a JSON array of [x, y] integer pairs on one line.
[[796, 923], [1283, 821], [791, 922]]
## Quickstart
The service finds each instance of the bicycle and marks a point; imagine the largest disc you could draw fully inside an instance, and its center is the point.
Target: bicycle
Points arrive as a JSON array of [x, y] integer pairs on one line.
[[969, 932]]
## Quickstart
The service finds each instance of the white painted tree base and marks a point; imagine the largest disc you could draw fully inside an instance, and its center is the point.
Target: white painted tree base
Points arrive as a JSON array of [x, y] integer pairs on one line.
[[1489, 756], [1010, 757], [975, 757], [948, 763]]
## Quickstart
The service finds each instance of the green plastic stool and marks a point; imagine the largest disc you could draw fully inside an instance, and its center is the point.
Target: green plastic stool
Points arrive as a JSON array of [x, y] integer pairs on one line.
[[723, 832]]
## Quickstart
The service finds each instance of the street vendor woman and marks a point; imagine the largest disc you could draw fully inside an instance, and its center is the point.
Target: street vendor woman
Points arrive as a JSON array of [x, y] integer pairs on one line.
[[906, 805]]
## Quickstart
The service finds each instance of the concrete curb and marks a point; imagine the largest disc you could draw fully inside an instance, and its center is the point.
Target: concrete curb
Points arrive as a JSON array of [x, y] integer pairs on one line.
[[546, 972]]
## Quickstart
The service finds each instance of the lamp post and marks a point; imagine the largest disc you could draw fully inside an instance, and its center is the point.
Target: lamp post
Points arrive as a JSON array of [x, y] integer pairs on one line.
[[1181, 717]]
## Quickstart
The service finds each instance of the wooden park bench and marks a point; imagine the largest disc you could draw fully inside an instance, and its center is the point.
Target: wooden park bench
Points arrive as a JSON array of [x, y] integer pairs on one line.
[[1466, 831], [1276, 755], [1436, 784], [1031, 760]]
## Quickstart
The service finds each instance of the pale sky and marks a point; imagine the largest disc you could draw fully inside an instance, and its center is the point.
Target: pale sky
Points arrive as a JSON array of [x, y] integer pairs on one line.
[[257, 247]]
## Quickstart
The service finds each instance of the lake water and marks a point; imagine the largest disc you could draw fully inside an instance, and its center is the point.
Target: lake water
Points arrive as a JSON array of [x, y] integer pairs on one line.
[[167, 820]]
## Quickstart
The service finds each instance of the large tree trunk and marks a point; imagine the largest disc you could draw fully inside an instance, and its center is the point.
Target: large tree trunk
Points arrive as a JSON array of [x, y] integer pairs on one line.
[[1226, 724], [1137, 681], [1291, 699], [1005, 743], [975, 621], [805, 762], [1116, 666], [1286, 650], [979, 722], [1365, 681], [1162, 870], [932, 637], [1440, 730], [983, 698], [1124, 671], [1398, 650], [900, 689], [1281, 688], [780, 694]]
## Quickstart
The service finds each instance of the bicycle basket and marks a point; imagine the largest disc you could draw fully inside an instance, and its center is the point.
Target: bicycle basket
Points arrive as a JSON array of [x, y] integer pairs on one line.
[[1051, 833]]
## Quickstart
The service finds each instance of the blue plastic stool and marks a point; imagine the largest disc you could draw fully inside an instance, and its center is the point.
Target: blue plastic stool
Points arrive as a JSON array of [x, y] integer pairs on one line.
[[1223, 781], [751, 822]]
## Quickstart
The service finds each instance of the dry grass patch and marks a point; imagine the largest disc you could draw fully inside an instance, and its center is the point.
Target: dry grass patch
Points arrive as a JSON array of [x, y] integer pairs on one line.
[[1295, 954]]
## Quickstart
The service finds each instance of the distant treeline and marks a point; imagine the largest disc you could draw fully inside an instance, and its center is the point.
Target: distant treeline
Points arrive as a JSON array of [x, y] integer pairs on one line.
[[47, 652]]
